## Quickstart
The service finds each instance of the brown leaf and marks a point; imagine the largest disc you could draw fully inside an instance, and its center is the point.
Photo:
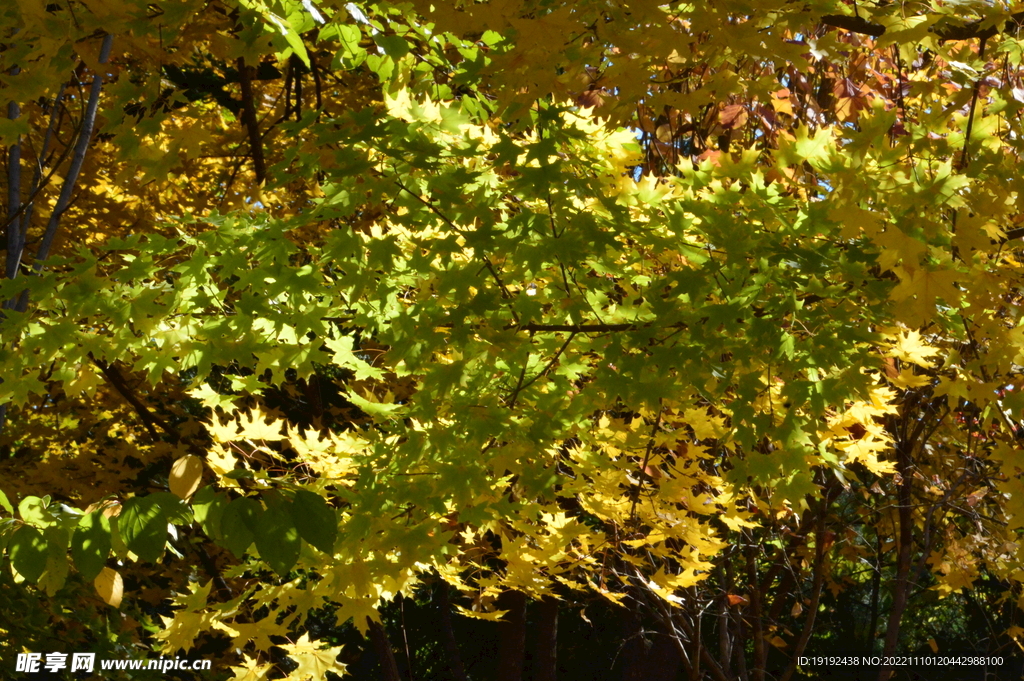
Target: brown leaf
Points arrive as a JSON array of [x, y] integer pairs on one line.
[[590, 99], [737, 600], [732, 116]]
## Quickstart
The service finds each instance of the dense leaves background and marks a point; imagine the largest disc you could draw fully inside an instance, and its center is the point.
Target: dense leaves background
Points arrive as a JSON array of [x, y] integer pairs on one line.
[[512, 340]]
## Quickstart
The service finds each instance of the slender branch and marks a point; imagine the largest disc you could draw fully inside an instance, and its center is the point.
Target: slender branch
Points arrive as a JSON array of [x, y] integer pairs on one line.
[[550, 364], [756, 611], [647, 458], [487, 261], [14, 237], [317, 85], [38, 181], [819, 581], [77, 160], [577, 328], [965, 155]]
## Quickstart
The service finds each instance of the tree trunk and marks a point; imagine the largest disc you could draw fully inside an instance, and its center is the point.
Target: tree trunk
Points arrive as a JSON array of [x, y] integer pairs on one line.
[[451, 645], [546, 667], [901, 588], [512, 644], [385, 655]]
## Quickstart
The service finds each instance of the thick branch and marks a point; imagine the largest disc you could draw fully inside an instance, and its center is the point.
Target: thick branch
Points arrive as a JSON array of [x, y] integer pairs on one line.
[[149, 419], [252, 125], [78, 159], [973, 30]]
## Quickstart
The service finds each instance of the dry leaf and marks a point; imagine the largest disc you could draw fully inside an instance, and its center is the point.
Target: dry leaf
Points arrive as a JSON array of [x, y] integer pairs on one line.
[[186, 474], [110, 587]]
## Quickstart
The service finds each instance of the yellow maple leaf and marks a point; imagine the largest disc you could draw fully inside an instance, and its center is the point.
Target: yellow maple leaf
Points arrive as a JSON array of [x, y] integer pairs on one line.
[[704, 427], [212, 399], [222, 462], [251, 669], [180, 631], [917, 294], [908, 379], [314, 662], [493, 616], [911, 348]]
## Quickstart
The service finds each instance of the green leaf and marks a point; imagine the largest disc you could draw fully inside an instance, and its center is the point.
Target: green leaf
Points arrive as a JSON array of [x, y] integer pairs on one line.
[[33, 511], [91, 544], [7, 529], [208, 507], [238, 523], [278, 539], [28, 551], [143, 527], [57, 564], [6, 503], [175, 510], [393, 45], [315, 520]]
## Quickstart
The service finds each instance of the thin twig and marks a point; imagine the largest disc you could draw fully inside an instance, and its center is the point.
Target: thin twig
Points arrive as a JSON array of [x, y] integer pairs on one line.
[[647, 458]]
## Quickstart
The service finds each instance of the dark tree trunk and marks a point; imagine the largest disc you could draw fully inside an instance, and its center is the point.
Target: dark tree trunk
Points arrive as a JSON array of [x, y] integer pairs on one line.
[[547, 641], [901, 589], [512, 642], [385, 655], [451, 645]]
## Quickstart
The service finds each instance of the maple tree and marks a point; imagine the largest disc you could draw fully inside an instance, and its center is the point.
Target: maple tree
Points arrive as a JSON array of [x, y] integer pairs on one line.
[[694, 327]]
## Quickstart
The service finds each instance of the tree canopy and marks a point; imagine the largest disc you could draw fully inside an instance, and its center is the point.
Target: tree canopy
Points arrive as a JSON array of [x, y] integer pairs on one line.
[[697, 326]]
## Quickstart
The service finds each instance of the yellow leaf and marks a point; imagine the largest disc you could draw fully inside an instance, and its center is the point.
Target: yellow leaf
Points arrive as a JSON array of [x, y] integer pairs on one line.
[[908, 379], [314, 662], [493, 616], [212, 399], [251, 670], [736, 521], [109, 586], [180, 631], [1017, 634], [704, 427], [186, 474], [910, 348], [222, 462], [917, 294]]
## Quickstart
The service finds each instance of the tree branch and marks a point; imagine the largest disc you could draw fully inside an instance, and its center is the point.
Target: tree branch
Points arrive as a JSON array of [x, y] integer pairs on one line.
[[149, 419], [856, 24], [249, 120], [77, 160], [14, 237]]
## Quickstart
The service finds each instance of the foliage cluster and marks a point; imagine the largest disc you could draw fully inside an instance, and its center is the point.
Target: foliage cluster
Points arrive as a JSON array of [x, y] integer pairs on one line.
[[708, 314]]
